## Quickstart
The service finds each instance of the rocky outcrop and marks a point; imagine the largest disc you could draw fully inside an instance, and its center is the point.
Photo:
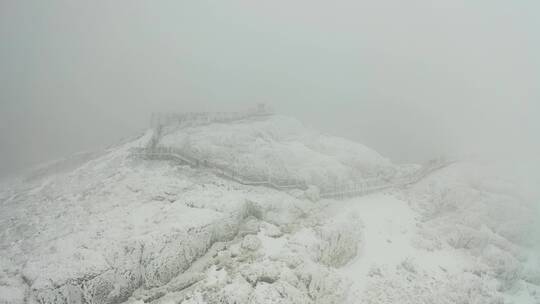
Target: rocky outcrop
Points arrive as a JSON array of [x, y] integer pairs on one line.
[[146, 263]]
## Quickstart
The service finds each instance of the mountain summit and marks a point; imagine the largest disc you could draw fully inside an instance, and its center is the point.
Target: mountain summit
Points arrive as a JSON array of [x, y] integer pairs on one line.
[[257, 208]]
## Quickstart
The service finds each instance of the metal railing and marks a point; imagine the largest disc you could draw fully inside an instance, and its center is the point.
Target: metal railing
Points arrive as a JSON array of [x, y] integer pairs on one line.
[[365, 186], [360, 188], [191, 119], [176, 154], [373, 185]]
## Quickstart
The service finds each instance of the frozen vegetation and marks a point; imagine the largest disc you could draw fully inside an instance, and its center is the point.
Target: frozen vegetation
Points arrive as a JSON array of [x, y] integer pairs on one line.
[[113, 227]]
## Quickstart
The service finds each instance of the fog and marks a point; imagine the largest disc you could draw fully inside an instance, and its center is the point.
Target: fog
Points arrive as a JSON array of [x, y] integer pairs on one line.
[[411, 79], [250, 207]]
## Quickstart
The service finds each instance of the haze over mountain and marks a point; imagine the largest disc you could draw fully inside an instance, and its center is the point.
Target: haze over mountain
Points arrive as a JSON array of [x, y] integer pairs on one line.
[[302, 152], [412, 81]]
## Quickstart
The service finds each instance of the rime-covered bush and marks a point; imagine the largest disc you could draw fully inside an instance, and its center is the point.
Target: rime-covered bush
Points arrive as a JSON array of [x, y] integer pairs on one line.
[[338, 241], [266, 271], [13, 290], [406, 287], [278, 293], [481, 214], [463, 237], [507, 269], [471, 199], [532, 274], [469, 288], [323, 284], [236, 292], [313, 193]]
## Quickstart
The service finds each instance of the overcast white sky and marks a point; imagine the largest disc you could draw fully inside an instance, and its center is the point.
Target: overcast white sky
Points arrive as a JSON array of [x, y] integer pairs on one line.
[[411, 79]]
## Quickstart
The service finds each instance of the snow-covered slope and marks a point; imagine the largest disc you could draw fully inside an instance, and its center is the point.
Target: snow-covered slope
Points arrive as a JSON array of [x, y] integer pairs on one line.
[[381, 248], [112, 227], [116, 223], [388, 248]]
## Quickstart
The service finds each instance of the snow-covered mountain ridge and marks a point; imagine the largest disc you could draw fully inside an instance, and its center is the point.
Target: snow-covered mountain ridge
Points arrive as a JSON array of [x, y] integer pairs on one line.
[[278, 146], [278, 152], [120, 228]]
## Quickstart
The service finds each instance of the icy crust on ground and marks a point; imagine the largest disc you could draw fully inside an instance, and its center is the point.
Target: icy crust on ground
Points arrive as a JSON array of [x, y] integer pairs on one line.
[[281, 147], [118, 223]]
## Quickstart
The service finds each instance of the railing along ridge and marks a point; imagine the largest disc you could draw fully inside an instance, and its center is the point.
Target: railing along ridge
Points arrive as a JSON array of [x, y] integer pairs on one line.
[[195, 119], [363, 187], [386, 183], [172, 153], [202, 118]]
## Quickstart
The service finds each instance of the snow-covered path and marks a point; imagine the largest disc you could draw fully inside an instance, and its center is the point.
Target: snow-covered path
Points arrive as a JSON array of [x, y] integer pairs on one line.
[[386, 221], [390, 230]]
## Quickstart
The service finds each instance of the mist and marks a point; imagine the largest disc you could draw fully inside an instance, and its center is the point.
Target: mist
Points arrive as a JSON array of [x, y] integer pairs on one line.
[[418, 185], [412, 80]]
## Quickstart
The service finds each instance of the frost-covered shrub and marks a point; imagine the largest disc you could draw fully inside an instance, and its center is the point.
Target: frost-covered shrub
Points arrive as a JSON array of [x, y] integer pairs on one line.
[[278, 293], [406, 287], [507, 269], [337, 242], [510, 217], [408, 265], [330, 242], [499, 255], [266, 271], [250, 226], [12, 288], [463, 237], [469, 288], [427, 239], [237, 292], [313, 193], [443, 200], [470, 199], [532, 275], [323, 284], [482, 215]]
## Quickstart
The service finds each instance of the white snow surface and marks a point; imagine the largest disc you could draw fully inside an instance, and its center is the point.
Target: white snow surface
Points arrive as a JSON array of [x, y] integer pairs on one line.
[[384, 248], [110, 227], [116, 223]]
